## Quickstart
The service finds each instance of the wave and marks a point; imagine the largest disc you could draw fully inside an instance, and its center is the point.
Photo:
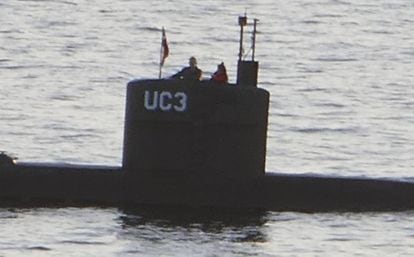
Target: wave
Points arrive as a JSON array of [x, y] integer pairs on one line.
[[41, 248], [324, 130], [335, 59], [78, 242]]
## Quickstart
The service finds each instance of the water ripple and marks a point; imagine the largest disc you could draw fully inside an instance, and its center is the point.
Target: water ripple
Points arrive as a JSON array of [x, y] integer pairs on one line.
[[341, 103]]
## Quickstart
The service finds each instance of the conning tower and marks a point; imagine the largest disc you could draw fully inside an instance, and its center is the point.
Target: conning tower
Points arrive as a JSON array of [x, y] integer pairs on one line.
[[197, 128]]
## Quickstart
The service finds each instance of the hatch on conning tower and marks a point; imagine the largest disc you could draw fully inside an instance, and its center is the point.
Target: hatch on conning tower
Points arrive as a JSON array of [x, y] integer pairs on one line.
[[247, 70]]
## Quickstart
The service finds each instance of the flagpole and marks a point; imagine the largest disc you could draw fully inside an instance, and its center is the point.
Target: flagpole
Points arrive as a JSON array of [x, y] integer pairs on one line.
[[164, 51]]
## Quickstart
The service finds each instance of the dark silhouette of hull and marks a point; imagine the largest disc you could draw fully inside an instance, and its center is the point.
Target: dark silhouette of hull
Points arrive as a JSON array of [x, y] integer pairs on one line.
[[46, 185]]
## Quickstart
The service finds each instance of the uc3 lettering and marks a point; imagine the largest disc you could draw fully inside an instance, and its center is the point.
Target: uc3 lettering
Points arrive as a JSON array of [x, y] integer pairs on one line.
[[165, 101]]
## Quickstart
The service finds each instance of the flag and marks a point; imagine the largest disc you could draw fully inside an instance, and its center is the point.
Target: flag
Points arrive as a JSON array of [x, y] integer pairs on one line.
[[164, 47]]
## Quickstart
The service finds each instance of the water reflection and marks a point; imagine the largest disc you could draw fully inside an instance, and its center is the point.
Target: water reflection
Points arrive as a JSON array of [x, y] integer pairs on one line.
[[157, 222]]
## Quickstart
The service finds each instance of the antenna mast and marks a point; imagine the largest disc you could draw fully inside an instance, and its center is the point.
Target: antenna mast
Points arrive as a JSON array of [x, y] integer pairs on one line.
[[247, 70], [254, 38], [242, 23]]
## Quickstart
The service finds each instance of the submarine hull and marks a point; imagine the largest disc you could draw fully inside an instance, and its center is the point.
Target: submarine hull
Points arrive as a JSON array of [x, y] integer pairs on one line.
[[26, 185], [195, 144]]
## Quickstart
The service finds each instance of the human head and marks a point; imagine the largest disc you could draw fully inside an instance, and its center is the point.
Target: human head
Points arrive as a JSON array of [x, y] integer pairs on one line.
[[221, 67], [192, 61]]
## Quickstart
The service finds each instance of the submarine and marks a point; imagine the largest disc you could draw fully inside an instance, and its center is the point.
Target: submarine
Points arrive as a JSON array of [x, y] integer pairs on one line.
[[196, 144]]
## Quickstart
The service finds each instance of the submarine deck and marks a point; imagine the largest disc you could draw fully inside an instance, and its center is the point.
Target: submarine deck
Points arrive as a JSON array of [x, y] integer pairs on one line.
[[74, 185]]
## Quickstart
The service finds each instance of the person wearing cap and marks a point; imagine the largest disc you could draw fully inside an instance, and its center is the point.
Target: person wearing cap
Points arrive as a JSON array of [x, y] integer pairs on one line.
[[192, 72]]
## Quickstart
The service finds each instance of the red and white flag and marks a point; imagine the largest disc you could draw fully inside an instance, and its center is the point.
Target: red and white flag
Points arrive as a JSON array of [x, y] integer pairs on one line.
[[164, 47]]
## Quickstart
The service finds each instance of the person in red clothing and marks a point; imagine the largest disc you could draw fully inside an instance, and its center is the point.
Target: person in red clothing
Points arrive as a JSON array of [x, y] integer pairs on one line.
[[220, 75]]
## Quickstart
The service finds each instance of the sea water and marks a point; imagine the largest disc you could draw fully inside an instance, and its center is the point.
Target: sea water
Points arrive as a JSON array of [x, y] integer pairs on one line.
[[341, 79]]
